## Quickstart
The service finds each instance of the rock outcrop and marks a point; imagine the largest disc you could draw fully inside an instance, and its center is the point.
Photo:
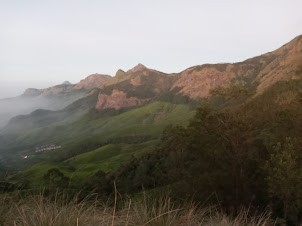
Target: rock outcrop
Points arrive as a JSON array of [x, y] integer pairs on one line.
[[117, 100], [286, 65], [197, 83], [282, 64]]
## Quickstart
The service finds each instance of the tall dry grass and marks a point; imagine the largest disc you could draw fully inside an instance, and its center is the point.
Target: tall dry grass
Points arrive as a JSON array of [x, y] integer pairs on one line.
[[61, 210]]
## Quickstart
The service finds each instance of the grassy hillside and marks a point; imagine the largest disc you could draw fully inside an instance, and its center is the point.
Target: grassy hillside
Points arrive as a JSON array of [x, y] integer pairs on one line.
[[108, 141], [149, 119], [82, 168]]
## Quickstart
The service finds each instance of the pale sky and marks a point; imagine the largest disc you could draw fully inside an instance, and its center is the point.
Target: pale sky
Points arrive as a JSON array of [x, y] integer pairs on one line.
[[43, 43]]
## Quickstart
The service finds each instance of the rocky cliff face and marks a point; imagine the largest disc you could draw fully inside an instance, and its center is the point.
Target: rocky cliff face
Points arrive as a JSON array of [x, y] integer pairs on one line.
[[133, 74], [117, 100], [134, 87], [197, 82], [287, 64], [282, 64], [92, 81]]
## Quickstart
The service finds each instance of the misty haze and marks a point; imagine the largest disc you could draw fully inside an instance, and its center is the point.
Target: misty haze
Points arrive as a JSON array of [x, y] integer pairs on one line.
[[28, 101]]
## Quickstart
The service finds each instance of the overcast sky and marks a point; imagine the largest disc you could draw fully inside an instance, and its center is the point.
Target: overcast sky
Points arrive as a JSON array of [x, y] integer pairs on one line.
[[43, 43]]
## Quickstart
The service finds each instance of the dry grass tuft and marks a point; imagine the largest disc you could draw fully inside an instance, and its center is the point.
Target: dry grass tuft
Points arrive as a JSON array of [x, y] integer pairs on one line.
[[61, 210]]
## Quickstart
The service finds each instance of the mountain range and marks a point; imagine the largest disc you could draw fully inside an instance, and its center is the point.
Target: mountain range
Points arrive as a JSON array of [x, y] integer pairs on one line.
[[102, 121]]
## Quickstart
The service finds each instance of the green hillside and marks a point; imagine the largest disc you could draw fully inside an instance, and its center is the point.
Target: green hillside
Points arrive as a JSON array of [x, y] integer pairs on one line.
[[82, 168], [87, 133], [149, 119]]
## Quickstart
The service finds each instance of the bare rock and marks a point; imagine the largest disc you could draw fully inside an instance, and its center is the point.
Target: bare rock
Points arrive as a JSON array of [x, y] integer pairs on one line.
[[117, 100]]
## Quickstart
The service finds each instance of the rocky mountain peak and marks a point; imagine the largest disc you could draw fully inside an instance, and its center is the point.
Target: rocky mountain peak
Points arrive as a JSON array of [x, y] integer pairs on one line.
[[119, 73], [92, 81], [137, 68]]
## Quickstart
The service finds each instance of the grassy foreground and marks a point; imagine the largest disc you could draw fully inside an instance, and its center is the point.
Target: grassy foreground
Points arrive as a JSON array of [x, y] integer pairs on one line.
[[61, 210]]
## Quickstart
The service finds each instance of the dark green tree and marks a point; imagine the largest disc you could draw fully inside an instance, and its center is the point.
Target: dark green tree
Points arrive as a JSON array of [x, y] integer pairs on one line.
[[55, 178], [284, 177]]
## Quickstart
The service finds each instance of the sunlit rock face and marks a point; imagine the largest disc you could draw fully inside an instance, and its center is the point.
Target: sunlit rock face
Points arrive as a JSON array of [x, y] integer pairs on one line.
[[116, 100]]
